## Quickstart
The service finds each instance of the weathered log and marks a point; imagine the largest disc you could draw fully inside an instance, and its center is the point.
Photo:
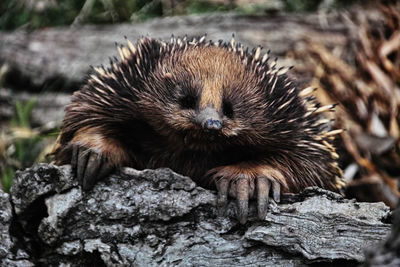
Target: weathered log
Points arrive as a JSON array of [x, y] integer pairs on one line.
[[386, 254], [11, 252], [158, 217], [60, 57]]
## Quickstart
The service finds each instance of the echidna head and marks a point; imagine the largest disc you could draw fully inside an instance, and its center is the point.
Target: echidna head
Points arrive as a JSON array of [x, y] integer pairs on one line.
[[213, 97], [209, 95]]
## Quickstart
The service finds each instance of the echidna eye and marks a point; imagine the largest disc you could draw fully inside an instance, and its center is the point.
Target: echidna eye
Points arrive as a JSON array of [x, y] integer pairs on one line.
[[188, 102], [227, 109]]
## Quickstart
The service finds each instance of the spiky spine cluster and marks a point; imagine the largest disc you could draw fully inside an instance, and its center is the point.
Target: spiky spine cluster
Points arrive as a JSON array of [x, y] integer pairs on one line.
[[109, 96]]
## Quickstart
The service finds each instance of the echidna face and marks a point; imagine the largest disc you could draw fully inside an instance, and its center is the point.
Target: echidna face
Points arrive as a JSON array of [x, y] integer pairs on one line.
[[198, 124], [214, 97], [211, 95]]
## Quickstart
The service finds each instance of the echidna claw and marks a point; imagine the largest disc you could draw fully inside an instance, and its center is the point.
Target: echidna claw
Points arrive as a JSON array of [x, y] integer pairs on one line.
[[89, 166], [242, 196], [222, 199], [243, 188], [263, 187], [74, 159], [81, 162], [276, 191]]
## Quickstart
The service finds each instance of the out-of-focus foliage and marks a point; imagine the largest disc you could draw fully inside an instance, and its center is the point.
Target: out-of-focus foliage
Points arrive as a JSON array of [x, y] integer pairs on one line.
[[37, 14], [23, 112], [34, 14], [314, 5], [20, 144], [363, 77]]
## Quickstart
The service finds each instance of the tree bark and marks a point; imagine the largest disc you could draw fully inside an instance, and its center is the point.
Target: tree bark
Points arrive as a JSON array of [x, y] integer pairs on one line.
[[158, 217]]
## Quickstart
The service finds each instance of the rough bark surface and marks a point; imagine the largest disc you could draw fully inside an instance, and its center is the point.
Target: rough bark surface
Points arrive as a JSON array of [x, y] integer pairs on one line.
[[158, 217], [11, 253], [386, 254]]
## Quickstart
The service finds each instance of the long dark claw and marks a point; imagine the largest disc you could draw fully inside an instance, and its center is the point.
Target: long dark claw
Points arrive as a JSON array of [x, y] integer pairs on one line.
[[222, 200], [105, 168], [83, 156], [89, 166], [74, 159], [276, 191], [242, 195], [263, 186], [92, 169]]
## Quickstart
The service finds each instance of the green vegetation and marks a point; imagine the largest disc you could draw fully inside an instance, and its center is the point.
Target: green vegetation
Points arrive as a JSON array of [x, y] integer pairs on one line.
[[45, 13], [315, 5], [7, 176], [21, 145], [23, 13], [35, 14], [23, 113]]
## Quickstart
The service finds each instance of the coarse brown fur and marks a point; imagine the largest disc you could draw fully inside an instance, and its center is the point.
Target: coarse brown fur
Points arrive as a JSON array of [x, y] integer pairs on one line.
[[141, 112]]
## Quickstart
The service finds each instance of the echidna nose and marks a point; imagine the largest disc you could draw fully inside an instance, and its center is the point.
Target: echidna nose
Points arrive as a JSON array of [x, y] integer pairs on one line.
[[209, 119], [211, 124]]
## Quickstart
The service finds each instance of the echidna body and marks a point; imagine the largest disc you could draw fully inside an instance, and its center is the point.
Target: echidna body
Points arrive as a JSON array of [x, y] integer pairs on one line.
[[211, 111]]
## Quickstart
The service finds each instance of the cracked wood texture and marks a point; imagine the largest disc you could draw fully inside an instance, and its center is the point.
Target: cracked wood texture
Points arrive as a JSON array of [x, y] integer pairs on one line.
[[386, 254], [158, 217]]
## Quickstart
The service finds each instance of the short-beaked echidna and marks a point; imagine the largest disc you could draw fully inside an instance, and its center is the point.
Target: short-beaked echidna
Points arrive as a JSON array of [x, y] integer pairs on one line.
[[213, 111]]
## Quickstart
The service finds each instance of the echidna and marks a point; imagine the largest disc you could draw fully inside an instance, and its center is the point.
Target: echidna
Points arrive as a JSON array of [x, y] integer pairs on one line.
[[213, 111]]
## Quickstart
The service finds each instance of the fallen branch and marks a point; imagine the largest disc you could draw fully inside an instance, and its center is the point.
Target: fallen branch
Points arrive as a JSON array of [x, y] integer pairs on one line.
[[157, 217]]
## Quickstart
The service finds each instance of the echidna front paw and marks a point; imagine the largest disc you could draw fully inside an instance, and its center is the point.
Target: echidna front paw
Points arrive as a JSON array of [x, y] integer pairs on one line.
[[89, 166], [243, 188]]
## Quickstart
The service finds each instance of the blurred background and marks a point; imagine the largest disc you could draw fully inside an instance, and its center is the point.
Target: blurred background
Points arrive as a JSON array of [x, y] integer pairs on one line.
[[348, 50]]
